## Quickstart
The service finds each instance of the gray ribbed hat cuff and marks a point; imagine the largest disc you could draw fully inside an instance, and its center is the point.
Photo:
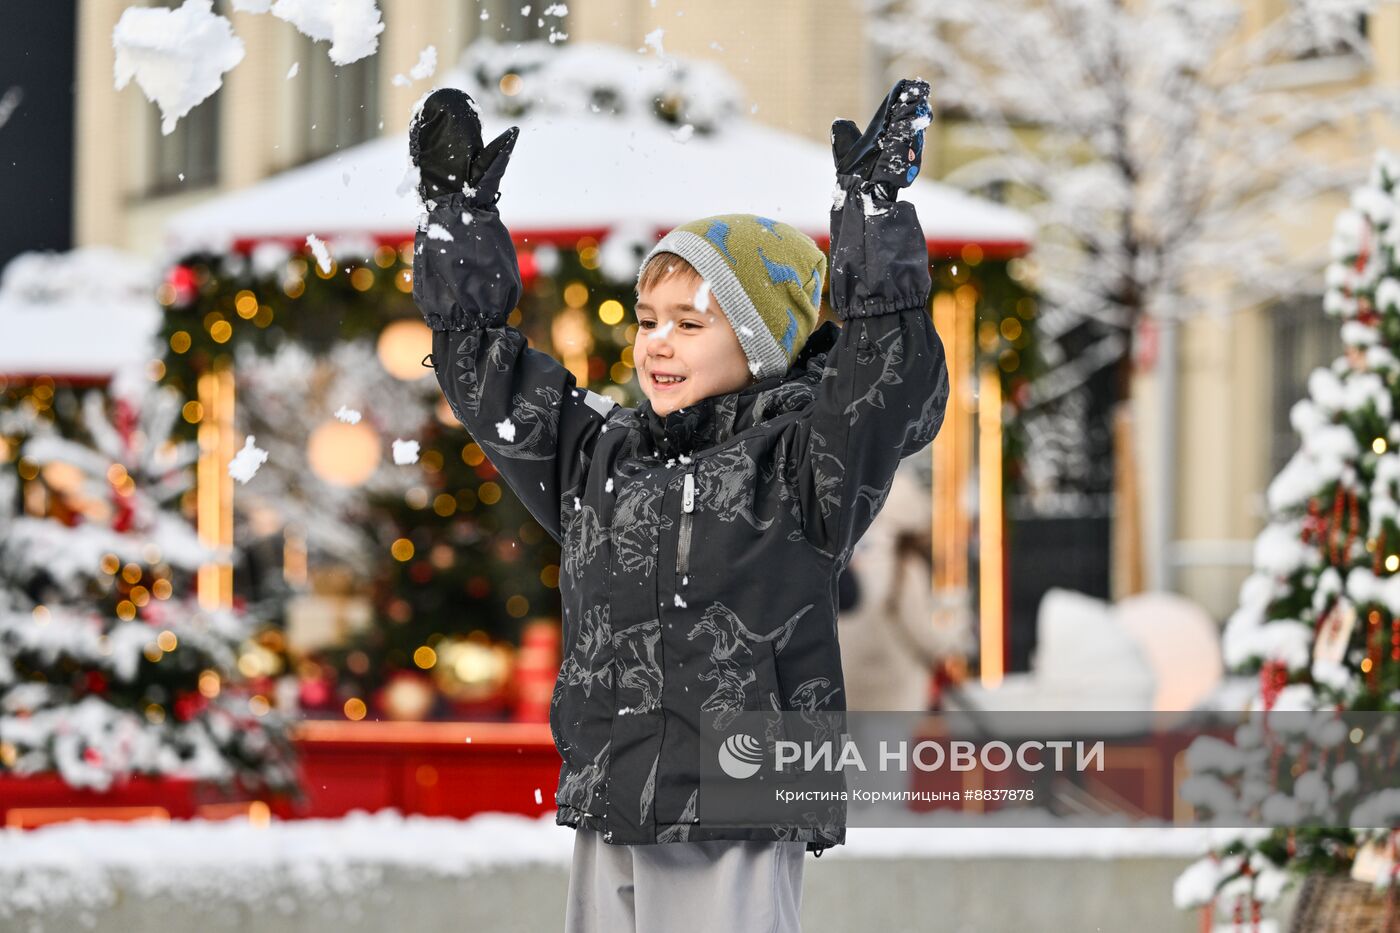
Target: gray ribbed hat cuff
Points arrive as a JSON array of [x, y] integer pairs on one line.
[[757, 341]]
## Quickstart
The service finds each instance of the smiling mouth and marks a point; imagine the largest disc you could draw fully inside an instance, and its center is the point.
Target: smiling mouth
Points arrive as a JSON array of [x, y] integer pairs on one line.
[[668, 384]]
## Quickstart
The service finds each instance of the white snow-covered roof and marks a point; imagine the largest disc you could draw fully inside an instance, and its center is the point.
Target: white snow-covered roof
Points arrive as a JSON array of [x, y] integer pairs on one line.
[[574, 174], [83, 314]]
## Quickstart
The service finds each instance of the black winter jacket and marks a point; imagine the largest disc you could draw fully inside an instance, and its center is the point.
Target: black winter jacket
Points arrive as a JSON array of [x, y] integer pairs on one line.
[[701, 550]]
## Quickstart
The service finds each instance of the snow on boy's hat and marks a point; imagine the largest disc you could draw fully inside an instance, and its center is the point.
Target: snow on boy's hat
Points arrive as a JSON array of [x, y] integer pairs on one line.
[[767, 277]]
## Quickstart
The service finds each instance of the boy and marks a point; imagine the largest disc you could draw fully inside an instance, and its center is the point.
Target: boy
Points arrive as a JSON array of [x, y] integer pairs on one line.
[[703, 532]]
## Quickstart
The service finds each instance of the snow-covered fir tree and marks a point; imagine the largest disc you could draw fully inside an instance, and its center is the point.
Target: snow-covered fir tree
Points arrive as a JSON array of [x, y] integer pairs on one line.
[[109, 665], [1319, 617]]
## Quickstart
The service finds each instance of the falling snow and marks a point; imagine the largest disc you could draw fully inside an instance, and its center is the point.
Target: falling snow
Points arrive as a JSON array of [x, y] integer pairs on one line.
[[245, 463], [319, 250], [177, 57], [427, 65]]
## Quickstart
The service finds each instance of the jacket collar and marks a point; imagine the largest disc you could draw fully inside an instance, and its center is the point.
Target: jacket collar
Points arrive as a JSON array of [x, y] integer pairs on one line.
[[714, 420]]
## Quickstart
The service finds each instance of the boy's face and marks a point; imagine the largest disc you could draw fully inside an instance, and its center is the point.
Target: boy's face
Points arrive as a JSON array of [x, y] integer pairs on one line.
[[676, 338]]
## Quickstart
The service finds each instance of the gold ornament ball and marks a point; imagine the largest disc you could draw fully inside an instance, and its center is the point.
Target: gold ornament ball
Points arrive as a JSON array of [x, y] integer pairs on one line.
[[402, 346], [343, 454], [408, 698]]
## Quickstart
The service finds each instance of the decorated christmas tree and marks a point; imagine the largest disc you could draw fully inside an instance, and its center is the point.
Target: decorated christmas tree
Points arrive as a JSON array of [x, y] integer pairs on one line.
[[1319, 617], [109, 664]]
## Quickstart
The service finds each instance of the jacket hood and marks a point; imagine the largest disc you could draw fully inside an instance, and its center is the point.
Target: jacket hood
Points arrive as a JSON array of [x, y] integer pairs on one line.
[[714, 420]]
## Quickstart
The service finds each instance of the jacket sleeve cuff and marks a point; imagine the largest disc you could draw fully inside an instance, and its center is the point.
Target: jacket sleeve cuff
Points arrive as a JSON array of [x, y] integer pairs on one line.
[[875, 307], [879, 258], [465, 272], [456, 319]]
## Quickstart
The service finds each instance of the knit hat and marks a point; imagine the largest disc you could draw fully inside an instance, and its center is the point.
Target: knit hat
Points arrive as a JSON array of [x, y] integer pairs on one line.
[[766, 275]]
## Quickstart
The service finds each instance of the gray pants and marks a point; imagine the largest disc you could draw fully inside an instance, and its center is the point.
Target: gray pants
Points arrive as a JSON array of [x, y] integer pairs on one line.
[[695, 887]]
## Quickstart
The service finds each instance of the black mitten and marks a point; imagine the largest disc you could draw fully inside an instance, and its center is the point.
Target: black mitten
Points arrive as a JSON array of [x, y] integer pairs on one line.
[[879, 257], [888, 155], [445, 144]]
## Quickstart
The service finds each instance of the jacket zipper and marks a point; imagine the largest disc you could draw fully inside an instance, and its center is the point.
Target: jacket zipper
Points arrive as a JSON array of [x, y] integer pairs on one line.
[[687, 508]]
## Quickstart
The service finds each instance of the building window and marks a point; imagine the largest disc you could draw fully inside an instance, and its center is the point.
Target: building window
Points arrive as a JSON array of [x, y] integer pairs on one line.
[[188, 157], [1304, 338], [509, 21], [340, 102]]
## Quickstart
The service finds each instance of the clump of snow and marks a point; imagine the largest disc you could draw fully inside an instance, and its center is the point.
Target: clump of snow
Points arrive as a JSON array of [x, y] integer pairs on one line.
[[680, 602], [252, 6], [594, 78], [352, 27], [1196, 886], [622, 251], [439, 232], [506, 430], [547, 259], [319, 250], [92, 274], [701, 299], [177, 57], [245, 463], [405, 452], [348, 415], [682, 134], [9, 103], [869, 207], [351, 246], [269, 258], [292, 71], [427, 65], [653, 39]]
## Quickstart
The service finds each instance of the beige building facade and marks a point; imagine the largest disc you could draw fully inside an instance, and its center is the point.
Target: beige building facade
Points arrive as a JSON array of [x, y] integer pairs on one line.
[[1241, 368], [801, 62]]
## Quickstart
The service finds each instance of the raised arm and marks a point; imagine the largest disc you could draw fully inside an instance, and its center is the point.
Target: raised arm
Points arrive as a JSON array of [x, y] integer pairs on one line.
[[522, 406], [885, 386]]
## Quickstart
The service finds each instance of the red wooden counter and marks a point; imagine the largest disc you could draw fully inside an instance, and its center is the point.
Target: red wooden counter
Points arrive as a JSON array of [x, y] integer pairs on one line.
[[455, 769]]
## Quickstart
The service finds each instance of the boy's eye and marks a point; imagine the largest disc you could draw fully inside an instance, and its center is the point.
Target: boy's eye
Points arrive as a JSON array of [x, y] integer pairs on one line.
[[695, 324]]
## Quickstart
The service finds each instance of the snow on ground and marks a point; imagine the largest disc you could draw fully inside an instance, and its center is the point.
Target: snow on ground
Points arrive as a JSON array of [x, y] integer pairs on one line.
[[244, 862], [491, 840]]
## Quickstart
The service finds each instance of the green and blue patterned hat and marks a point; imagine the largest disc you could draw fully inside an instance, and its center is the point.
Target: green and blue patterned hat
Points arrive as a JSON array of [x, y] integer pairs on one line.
[[766, 275]]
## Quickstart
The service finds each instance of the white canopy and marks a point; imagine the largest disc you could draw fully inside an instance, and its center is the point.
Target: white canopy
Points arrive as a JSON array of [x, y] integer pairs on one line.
[[572, 175], [82, 315]]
